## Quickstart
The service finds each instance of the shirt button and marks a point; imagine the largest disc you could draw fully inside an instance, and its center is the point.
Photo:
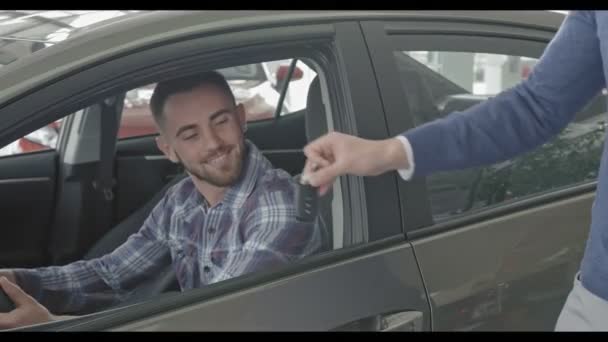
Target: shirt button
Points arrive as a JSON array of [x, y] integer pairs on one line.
[[211, 230], [206, 269]]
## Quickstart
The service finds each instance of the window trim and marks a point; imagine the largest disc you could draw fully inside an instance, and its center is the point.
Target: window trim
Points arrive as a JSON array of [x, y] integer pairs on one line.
[[503, 210]]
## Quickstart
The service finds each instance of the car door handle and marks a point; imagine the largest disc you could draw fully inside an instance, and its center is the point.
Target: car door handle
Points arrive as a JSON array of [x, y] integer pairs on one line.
[[401, 321], [394, 321]]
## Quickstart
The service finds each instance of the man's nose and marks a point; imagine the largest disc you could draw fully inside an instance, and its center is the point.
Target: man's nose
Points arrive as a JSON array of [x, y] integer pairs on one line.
[[210, 141]]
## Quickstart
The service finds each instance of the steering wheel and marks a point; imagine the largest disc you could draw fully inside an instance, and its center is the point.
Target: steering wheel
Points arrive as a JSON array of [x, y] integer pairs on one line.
[[6, 304]]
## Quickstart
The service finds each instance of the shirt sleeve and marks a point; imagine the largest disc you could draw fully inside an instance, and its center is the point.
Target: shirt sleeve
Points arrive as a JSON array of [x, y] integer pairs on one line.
[[406, 174], [89, 285]]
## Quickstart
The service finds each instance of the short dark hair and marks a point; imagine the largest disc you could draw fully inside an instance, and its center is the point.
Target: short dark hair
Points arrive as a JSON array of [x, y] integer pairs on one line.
[[165, 89]]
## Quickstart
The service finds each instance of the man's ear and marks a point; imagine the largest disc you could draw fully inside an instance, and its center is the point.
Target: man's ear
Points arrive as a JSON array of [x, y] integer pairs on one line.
[[242, 116], [162, 144]]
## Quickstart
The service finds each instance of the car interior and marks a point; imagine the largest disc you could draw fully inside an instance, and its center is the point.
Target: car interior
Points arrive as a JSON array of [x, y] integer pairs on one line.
[[59, 211]]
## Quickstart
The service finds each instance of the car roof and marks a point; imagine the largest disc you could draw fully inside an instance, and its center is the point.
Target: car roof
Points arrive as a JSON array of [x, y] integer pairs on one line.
[[25, 32], [137, 30]]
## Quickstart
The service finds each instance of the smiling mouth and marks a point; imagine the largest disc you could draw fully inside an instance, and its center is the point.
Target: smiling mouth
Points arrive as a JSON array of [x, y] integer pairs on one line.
[[218, 159]]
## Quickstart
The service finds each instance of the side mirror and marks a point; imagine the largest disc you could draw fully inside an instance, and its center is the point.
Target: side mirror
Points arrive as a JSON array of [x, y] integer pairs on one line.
[[283, 71]]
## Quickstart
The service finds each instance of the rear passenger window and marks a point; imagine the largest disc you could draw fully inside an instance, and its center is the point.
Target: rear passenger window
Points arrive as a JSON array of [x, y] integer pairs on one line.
[[257, 86], [437, 83]]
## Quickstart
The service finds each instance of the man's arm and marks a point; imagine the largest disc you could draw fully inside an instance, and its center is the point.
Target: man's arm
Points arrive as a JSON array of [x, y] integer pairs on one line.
[[567, 76], [273, 236], [86, 286]]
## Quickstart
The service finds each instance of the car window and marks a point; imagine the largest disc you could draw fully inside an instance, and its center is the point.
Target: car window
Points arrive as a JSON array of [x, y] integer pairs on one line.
[[41, 139], [437, 83], [257, 86], [137, 120]]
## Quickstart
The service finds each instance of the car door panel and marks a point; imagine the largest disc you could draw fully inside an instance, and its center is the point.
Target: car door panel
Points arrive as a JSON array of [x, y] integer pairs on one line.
[[27, 195], [332, 297], [320, 304], [513, 272]]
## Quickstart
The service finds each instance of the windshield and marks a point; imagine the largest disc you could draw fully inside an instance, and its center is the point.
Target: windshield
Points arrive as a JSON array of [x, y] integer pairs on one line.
[[25, 32]]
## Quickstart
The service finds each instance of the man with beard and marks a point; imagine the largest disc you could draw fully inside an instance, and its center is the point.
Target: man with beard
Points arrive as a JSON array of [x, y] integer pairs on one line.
[[234, 215]]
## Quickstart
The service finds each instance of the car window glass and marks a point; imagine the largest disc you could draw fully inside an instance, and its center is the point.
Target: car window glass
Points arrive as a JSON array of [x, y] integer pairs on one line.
[[437, 83], [257, 86], [41, 139]]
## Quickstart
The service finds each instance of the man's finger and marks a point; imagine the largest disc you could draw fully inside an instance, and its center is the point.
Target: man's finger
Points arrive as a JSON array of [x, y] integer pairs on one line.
[[314, 154], [315, 148], [15, 293], [311, 166], [325, 175]]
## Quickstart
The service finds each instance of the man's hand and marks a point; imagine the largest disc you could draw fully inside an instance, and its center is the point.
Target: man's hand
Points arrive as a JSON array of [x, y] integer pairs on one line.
[[336, 154], [27, 312]]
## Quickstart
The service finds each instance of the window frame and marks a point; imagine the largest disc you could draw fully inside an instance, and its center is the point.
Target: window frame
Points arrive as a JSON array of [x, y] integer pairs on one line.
[[387, 37]]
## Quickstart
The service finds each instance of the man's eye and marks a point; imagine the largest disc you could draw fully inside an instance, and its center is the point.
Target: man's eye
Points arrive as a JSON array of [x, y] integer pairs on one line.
[[221, 121], [188, 136]]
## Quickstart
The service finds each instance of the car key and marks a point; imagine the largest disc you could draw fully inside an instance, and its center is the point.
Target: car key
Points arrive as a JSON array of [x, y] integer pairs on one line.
[[307, 201]]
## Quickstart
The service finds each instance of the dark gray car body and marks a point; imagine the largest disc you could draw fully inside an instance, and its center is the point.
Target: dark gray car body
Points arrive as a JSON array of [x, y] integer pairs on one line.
[[509, 267]]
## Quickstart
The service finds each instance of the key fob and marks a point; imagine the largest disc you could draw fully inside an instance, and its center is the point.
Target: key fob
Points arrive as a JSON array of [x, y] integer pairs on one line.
[[307, 202], [6, 304]]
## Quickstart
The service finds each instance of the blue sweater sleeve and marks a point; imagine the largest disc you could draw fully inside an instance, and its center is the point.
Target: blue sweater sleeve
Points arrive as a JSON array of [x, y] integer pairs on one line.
[[519, 119]]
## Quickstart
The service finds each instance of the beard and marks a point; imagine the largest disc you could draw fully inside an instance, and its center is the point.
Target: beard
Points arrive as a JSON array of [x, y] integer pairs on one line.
[[221, 168]]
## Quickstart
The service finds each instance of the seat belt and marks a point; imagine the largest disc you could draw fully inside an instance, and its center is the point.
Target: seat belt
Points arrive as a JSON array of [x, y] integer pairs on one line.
[[104, 182]]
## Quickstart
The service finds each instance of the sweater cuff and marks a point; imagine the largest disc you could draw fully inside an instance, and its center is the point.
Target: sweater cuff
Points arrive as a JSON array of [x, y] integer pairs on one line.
[[406, 173]]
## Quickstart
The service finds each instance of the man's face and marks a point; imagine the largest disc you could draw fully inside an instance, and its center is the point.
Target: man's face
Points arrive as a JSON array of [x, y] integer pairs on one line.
[[204, 131]]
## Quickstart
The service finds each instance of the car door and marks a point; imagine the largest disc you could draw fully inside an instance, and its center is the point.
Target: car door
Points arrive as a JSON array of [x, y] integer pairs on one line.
[[506, 258], [370, 281]]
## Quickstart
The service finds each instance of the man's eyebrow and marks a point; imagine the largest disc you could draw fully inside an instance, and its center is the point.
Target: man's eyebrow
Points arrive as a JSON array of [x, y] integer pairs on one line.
[[184, 128]]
